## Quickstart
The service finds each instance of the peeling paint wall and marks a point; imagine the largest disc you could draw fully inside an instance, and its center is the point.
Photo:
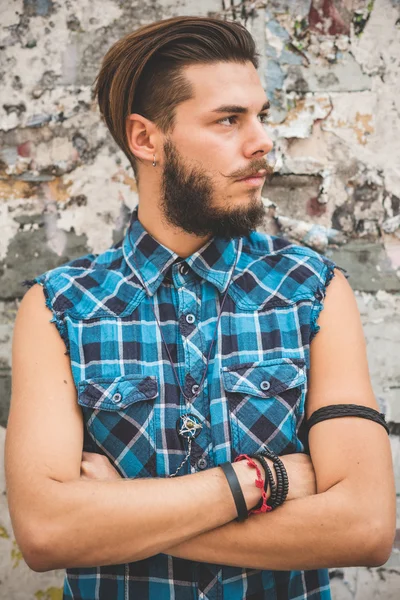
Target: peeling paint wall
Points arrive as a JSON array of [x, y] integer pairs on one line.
[[331, 71]]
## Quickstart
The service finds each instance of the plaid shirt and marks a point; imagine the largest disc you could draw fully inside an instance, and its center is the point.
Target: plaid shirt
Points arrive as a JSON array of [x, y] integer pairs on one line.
[[254, 393]]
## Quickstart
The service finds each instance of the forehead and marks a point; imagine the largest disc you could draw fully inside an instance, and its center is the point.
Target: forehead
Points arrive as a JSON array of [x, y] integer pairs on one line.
[[224, 83]]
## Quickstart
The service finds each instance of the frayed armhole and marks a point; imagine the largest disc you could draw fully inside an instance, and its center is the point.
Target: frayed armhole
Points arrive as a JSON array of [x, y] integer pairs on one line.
[[57, 318], [320, 297]]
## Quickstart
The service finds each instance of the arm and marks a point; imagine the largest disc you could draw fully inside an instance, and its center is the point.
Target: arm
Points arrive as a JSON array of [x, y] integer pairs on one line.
[[99, 522], [351, 520]]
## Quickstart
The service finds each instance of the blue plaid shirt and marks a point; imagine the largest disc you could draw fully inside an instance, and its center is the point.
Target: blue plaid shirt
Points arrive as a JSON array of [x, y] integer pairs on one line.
[[254, 392]]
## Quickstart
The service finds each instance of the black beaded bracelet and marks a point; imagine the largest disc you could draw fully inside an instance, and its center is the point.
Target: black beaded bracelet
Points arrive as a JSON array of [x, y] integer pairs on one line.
[[278, 464], [282, 478], [282, 475], [275, 499], [236, 490]]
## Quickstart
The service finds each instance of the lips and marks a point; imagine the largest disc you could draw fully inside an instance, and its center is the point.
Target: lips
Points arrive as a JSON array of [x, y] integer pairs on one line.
[[258, 175]]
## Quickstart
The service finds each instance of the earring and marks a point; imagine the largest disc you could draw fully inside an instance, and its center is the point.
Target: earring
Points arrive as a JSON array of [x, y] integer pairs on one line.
[[154, 160]]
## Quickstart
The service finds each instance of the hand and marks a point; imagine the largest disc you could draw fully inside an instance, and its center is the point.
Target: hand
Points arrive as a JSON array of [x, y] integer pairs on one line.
[[97, 466]]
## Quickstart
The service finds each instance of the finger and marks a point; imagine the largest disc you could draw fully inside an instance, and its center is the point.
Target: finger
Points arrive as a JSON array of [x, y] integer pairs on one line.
[[95, 457], [86, 466]]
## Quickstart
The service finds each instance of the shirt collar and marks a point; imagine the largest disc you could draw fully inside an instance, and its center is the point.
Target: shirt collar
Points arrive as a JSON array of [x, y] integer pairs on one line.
[[214, 261]]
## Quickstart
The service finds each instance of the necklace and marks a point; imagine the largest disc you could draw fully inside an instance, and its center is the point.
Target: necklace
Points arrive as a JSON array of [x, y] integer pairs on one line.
[[188, 426]]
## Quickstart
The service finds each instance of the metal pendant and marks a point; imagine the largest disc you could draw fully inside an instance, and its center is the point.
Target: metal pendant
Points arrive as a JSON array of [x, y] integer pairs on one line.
[[188, 426]]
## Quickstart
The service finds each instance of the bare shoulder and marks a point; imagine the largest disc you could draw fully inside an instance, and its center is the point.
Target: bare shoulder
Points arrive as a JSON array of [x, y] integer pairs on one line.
[[339, 371], [340, 301], [44, 413]]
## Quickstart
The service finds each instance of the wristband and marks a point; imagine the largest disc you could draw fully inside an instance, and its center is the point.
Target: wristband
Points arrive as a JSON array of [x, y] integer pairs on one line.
[[263, 506], [236, 490]]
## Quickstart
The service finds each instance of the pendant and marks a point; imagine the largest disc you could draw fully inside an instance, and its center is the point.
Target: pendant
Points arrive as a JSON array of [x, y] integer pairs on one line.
[[188, 426]]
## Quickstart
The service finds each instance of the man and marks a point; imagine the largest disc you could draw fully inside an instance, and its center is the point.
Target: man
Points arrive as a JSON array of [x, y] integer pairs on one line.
[[193, 321]]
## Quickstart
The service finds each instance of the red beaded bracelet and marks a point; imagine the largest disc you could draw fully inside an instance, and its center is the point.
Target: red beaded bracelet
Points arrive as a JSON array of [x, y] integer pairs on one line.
[[259, 483]]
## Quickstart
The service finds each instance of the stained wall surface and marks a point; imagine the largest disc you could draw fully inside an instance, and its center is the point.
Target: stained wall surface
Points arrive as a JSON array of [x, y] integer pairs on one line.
[[331, 71]]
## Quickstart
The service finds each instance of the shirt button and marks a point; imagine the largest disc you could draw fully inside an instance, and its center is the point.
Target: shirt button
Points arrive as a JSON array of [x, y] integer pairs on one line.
[[195, 387], [202, 463], [117, 397], [265, 385], [190, 318], [183, 269]]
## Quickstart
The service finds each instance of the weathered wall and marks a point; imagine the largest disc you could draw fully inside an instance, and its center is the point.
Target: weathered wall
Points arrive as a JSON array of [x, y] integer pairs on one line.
[[331, 70]]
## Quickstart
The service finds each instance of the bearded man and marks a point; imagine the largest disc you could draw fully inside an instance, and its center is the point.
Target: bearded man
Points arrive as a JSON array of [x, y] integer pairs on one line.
[[191, 358]]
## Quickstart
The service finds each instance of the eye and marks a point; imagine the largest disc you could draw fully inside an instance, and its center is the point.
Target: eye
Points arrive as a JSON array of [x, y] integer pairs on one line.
[[226, 119], [264, 117]]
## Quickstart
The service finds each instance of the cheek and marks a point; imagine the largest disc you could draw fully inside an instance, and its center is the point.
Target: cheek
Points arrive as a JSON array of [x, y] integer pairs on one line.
[[208, 150]]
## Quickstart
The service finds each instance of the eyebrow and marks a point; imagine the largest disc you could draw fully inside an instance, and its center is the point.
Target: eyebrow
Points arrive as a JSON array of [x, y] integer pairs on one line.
[[233, 108]]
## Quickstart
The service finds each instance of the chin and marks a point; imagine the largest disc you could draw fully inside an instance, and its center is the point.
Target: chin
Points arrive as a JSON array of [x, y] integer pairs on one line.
[[251, 196]]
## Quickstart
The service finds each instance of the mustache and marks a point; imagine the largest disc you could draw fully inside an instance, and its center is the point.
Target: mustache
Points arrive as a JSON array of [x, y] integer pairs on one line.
[[262, 164]]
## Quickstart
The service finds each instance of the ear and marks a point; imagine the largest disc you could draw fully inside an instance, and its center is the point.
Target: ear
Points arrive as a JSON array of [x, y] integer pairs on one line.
[[142, 137]]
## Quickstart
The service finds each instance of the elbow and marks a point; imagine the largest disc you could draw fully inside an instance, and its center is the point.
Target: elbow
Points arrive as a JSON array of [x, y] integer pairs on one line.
[[36, 562], [379, 557], [35, 550], [379, 544]]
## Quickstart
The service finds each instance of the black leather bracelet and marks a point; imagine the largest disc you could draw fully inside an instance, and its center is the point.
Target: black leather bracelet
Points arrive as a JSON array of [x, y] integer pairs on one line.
[[333, 411], [236, 490]]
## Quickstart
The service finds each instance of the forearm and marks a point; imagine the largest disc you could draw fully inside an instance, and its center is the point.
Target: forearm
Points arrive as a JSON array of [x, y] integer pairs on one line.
[[111, 522], [319, 531]]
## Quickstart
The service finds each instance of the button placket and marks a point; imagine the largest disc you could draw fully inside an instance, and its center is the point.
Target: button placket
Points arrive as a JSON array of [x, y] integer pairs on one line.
[[190, 318]]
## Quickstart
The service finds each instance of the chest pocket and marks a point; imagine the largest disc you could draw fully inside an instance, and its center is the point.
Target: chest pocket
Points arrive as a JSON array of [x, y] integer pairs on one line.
[[263, 398], [119, 417]]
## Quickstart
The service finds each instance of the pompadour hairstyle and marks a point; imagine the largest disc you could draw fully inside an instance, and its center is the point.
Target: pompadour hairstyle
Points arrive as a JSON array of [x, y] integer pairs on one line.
[[142, 72]]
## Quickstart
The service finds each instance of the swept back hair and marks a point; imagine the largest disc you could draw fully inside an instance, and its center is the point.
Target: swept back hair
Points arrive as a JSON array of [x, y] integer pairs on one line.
[[142, 72]]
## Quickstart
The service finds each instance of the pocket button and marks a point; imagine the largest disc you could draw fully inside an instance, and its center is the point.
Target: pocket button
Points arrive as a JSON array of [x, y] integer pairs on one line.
[[265, 385], [202, 463], [117, 397]]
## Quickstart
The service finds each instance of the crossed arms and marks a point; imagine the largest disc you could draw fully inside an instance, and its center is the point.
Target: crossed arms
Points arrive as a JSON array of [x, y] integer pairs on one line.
[[350, 521]]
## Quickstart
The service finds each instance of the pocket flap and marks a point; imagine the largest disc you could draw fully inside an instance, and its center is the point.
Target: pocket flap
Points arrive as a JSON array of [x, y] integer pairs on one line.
[[116, 393], [264, 378]]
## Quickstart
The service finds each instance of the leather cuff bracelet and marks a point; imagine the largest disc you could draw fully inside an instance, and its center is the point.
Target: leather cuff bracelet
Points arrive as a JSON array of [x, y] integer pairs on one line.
[[236, 490], [333, 411]]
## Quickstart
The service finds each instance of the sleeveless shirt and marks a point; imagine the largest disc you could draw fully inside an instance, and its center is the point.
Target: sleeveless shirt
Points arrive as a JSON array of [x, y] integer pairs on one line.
[[254, 393]]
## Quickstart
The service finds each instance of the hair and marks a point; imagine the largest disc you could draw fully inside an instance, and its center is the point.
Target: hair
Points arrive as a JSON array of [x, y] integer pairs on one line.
[[142, 72]]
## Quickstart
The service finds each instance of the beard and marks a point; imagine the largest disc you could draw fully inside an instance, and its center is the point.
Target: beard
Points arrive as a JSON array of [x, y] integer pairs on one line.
[[188, 195]]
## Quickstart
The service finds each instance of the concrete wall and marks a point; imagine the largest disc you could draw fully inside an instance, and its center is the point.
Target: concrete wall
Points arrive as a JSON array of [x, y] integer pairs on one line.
[[331, 70]]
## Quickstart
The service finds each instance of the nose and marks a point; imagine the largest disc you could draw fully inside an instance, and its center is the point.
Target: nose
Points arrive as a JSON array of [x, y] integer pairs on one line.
[[259, 144]]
